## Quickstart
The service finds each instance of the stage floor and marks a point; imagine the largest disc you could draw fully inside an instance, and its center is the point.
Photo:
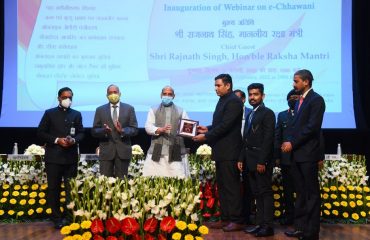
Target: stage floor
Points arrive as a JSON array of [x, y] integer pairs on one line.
[[45, 230]]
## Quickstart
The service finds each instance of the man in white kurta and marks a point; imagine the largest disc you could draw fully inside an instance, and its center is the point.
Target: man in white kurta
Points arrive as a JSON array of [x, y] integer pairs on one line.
[[166, 156]]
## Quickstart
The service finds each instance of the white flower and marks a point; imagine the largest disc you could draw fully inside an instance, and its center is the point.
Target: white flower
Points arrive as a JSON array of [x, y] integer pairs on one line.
[[204, 150], [34, 150], [137, 150]]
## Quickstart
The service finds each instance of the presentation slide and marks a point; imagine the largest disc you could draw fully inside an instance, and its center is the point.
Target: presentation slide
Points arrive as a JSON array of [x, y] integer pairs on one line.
[[142, 46]]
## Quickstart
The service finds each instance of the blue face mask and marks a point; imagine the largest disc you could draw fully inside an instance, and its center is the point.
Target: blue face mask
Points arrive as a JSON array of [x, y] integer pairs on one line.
[[166, 100]]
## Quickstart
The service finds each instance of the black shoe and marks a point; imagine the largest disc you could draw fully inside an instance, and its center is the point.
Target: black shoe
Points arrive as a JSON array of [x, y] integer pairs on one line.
[[252, 230], [58, 224], [265, 232], [294, 233]]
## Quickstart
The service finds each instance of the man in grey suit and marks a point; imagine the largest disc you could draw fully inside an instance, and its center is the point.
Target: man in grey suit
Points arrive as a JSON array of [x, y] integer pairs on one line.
[[114, 124]]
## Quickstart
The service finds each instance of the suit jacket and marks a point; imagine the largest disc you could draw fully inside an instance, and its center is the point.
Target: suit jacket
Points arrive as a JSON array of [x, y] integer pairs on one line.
[[247, 110], [57, 123], [258, 138], [283, 125], [306, 129], [224, 134], [114, 142]]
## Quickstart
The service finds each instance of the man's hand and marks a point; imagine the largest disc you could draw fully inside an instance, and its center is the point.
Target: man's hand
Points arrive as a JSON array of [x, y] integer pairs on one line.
[[199, 138], [240, 166], [202, 129], [107, 129], [286, 147], [118, 127], [261, 168], [63, 142], [163, 130]]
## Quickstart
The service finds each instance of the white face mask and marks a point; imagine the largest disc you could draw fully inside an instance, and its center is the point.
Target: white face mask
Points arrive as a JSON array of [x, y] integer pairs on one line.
[[66, 103]]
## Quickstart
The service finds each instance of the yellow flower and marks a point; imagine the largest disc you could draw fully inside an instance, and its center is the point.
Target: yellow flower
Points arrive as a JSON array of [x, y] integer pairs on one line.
[[276, 204], [24, 193], [20, 213], [5, 186], [181, 225], [86, 236], [333, 188], [35, 187], [1, 212], [352, 204], [344, 203], [342, 188], [359, 189], [192, 226], [276, 196], [352, 196], [359, 203], [366, 189], [6, 193], [355, 216], [3, 200], [335, 212], [325, 196], [77, 237], [42, 201], [31, 201], [359, 196], [25, 187], [44, 186], [344, 196], [368, 198], [327, 205], [350, 188], [336, 204], [63, 193], [39, 210], [61, 209], [189, 237], [176, 236], [363, 214], [198, 238], [11, 212], [86, 224], [23, 202], [15, 193], [277, 213], [33, 194], [345, 215], [368, 204], [203, 230], [17, 187], [41, 194], [275, 188], [68, 238], [74, 226], [333, 196], [326, 189], [13, 201], [327, 212], [62, 200], [65, 230], [48, 211], [30, 212]]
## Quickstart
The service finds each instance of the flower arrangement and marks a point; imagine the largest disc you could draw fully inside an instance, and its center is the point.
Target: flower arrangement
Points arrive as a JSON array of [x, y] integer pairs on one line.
[[204, 150], [34, 150], [22, 172]]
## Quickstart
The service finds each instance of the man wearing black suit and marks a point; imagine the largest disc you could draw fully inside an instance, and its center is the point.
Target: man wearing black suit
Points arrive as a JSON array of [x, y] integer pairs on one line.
[[284, 121], [61, 129], [114, 124], [304, 144], [225, 139], [246, 192], [256, 155]]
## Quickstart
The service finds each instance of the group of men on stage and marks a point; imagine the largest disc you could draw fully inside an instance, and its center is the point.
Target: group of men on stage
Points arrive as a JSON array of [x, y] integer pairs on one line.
[[295, 140]]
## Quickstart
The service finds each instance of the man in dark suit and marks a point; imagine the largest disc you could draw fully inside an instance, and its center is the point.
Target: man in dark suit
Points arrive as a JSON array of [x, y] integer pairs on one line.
[[61, 129], [246, 190], [283, 160], [304, 144], [225, 139], [256, 155], [114, 124]]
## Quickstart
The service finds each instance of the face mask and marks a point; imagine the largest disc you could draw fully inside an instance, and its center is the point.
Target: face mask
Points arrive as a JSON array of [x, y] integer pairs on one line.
[[113, 98], [291, 104], [66, 103], [167, 101]]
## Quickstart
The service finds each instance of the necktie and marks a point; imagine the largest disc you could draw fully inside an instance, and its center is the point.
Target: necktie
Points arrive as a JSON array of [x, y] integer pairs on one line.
[[300, 101], [250, 118], [114, 116]]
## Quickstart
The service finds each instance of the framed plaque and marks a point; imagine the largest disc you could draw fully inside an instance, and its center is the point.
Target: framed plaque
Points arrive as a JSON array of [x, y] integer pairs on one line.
[[188, 128]]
